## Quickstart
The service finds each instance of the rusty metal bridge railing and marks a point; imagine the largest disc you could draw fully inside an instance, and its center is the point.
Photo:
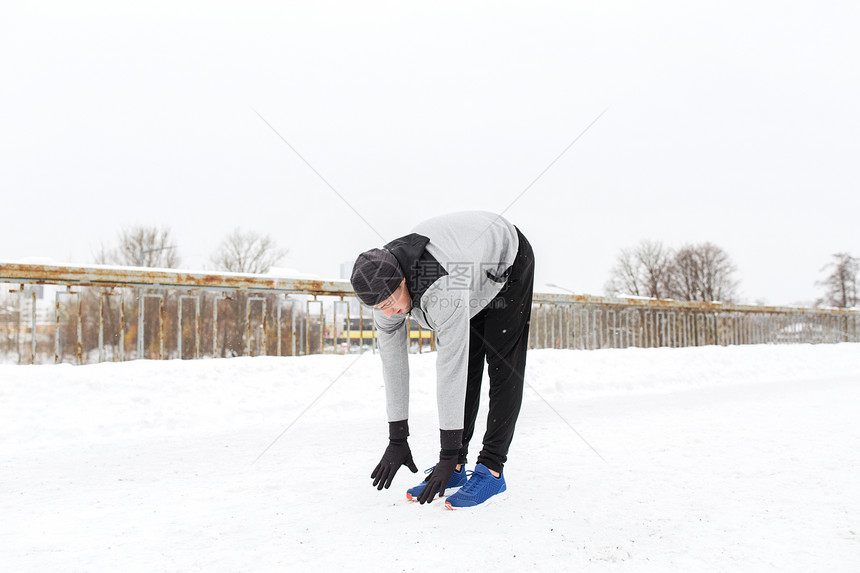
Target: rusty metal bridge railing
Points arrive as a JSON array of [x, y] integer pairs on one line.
[[85, 314]]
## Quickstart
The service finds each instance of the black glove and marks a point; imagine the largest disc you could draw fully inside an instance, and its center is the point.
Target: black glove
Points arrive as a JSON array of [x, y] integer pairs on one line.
[[438, 479], [396, 454]]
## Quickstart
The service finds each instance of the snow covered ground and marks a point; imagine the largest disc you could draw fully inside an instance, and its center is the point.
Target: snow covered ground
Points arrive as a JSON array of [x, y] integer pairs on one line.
[[718, 459]]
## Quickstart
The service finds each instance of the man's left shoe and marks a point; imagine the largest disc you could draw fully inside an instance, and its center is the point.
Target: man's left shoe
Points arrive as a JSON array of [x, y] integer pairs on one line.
[[482, 485]]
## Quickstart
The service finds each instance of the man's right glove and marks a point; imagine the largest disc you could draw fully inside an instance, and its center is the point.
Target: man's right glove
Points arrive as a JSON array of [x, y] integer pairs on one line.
[[396, 454], [438, 480]]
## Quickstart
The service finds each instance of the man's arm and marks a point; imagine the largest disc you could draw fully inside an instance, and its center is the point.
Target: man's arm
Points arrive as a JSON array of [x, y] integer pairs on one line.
[[452, 362], [391, 332]]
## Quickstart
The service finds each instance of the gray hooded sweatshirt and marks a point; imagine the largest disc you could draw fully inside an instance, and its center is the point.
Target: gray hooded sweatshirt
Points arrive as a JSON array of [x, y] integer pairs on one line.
[[454, 266]]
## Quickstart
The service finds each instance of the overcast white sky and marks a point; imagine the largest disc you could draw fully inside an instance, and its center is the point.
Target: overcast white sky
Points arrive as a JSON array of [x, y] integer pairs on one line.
[[731, 122]]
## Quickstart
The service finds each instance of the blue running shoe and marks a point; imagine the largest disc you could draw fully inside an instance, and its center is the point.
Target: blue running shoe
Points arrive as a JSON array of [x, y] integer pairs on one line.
[[458, 478], [480, 487]]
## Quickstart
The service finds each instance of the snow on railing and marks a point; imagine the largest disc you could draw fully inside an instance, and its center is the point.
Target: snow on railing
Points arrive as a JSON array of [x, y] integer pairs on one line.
[[62, 313]]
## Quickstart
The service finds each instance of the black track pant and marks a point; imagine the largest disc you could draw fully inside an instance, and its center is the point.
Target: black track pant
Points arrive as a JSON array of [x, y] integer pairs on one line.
[[500, 334]]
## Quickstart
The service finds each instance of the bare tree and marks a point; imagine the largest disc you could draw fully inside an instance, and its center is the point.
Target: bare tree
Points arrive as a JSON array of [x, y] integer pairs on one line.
[[247, 252], [841, 283], [645, 270], [146, 246], [243, 252], [718, 282], [656, 268], [686, 274], [703, 272], [624, 277]]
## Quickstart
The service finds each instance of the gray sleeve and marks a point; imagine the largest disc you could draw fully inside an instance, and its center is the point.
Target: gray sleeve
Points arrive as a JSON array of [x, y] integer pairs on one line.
[[391, 332], [452, 362]]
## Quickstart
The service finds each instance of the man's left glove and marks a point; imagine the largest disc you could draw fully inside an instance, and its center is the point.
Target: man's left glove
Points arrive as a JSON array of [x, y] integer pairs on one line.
[[396, 454], [438, 479]]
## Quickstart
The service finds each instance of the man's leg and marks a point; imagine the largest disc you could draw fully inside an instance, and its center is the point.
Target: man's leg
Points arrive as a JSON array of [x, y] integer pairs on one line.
[[506, 339], [475, 372]]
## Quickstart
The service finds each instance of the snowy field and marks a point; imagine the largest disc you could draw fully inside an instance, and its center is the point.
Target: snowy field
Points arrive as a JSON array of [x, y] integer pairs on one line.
[[717, 459]]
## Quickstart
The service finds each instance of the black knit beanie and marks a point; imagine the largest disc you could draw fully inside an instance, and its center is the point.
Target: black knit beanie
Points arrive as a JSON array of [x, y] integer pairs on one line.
[[375, 276]]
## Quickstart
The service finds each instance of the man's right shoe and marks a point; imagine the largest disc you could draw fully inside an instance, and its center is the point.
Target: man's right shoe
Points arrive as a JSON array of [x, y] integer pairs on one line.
[[458, 478]]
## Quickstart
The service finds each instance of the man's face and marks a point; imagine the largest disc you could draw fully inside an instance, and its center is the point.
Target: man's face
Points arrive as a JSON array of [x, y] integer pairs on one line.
[[398, 303]]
